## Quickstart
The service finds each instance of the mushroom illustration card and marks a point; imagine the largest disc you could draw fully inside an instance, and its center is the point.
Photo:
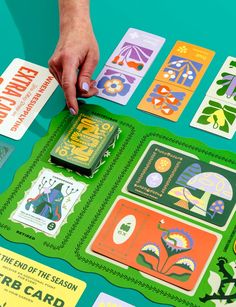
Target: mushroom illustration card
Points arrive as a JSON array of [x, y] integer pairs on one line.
[[185, 65], [165, 100], [47, 204], [154, 243], [117, 86], [216, 117], [136, 52], [224, 85], [181, 182]]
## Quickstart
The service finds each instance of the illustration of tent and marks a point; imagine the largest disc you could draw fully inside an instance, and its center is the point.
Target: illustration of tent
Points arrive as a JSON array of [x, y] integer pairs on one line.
[[211, 184], [184, 196]]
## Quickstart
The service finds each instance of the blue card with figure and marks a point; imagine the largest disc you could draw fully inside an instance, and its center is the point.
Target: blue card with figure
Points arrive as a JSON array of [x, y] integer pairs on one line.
[[48, 202], [181, 182]]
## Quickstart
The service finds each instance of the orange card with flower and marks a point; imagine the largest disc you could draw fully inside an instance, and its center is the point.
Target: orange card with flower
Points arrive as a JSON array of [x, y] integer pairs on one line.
[[165, 100], [155, 243], [185, 65]]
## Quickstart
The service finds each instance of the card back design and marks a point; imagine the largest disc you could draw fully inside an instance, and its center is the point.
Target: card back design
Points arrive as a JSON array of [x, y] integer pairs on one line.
[[47, 204], [155, 244], [183, 183]]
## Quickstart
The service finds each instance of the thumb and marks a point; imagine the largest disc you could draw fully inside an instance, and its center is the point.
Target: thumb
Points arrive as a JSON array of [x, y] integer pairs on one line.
[[86, 72], [69, 79]]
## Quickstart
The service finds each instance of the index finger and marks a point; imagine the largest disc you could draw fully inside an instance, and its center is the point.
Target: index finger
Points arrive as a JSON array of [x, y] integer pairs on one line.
[[69, 80]]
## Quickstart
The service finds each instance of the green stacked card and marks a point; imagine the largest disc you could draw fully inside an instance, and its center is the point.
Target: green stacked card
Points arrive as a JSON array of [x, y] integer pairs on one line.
[[84, 143]]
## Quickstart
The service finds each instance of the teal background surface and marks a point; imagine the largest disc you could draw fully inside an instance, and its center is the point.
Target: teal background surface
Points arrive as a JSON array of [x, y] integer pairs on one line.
[[29, 30]]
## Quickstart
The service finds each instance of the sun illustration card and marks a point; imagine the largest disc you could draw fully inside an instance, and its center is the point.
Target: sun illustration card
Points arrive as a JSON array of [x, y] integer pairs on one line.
[[224, 85], [185, 65], [116, 86], [47, 204], [156, 244], [216, 117], [179, 181], [136, 52], [165, 100]]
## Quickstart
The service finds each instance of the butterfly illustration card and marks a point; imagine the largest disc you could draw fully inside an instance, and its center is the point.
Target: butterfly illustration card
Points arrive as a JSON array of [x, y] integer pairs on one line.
[[217, 117], [185, 65], [165, 100], [156, 244], [136, 52], [116, 85], [181, 182], [224, 85], [47, 204]]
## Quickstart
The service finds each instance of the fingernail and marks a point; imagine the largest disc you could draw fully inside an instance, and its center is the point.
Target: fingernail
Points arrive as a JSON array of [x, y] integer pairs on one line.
[[72, 111], [85, 86]]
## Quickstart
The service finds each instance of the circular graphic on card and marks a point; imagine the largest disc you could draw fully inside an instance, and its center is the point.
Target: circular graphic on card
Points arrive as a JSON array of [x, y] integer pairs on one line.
[[154, 180], [51, 226], [124, 229], [163, 164]]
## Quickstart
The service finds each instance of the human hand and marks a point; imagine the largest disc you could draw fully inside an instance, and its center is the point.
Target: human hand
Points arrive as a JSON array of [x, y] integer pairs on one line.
[[74, 61]]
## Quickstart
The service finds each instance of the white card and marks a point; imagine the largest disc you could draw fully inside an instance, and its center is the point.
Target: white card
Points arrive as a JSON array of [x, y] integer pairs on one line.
[[47, 204], [24, 90], [216, 117], [116, 85], [136, 52], [224, 85]]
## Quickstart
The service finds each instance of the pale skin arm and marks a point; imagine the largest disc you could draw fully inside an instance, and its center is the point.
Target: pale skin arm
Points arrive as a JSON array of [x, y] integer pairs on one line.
[[76, 49]]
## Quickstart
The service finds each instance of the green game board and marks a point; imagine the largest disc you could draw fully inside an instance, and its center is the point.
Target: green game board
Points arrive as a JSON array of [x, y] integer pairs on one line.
[[102, 189]]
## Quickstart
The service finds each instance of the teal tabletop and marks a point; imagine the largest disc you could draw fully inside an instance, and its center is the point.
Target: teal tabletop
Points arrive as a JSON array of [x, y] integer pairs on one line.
[[30, 32]]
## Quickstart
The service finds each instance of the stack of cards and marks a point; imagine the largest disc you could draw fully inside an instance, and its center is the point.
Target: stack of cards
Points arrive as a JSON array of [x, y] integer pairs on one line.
[[83, 145], [217, 113], [176, 81], [127, 65], [5, 151]]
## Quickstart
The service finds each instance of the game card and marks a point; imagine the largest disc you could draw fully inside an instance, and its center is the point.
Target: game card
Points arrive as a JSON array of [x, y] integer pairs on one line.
[[224, 85], [136, 52], [5, 151], [24, 90], [217, 117], [165, 100], [185, 65], [181, 182], [116, 85], [105, 300], [155, 243], [47, 204]]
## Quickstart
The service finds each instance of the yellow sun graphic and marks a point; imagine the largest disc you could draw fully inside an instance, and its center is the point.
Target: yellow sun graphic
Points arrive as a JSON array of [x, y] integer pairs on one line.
[[182, 49]]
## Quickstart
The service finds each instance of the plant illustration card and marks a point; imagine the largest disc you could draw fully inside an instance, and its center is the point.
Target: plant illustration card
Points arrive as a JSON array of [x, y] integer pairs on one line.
[[136, 52], [217, 117], [165, 100], [105, 300], [224, 85], [5, 152], [156, 244], [185, 65], [116, 85], [24, 90], [181, 182], [47, 204]]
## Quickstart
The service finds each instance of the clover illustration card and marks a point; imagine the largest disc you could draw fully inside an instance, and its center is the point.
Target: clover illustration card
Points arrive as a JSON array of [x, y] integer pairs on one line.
[[156, 244], [185, 65], [116, 85], [5, 151], [165, 100], [136, 52], [48, 202], [224, 85], [181, 182], [216, 117]]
